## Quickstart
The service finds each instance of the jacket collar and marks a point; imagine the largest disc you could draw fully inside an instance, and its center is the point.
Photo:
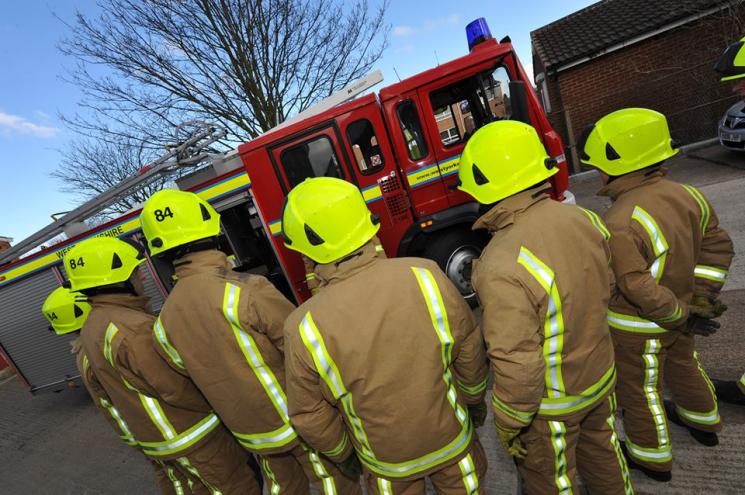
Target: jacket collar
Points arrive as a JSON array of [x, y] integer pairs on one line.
[[505, 212], [139, 303], [349, 265], [209, 261], [631, 181]]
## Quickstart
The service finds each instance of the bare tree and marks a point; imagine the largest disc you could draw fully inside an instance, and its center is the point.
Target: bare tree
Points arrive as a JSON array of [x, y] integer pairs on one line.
[[90, 167], [243, 64]]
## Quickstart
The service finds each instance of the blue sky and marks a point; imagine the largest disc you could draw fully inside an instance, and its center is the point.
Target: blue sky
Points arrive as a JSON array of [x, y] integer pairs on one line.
[[33, 93]]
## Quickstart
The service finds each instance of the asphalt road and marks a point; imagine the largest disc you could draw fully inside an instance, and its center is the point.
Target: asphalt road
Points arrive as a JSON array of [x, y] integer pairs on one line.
[[59, 444]]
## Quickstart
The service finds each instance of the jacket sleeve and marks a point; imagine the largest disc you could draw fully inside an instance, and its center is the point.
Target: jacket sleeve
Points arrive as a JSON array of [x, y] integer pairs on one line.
[[139, 363], [266, 310], [513, 333], [470, 368], [635, 282], [715, 257], [313, 413]]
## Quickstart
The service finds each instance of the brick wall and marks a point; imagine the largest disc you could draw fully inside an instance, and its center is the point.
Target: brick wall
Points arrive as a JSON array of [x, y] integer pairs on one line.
[[671, 73]]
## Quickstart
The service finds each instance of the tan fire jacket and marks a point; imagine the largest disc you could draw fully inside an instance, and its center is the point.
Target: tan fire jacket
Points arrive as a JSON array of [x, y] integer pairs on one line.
[[223, 329], [544, 282], [667, 246], [387, 354], [163, 410], [99, 396]]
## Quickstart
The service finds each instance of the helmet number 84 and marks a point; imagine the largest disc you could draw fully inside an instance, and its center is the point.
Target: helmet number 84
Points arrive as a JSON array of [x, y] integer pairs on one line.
[[161, 215], [74, 263]]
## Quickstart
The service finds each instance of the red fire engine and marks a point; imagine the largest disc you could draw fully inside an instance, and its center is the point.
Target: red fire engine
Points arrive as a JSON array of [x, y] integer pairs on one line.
[[401, 147]]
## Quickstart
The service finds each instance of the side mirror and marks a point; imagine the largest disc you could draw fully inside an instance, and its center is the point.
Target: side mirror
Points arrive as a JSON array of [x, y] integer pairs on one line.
[[519, 102]]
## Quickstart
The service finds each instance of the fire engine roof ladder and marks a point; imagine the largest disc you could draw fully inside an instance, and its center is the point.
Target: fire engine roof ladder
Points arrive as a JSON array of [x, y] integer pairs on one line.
[[187, 153]]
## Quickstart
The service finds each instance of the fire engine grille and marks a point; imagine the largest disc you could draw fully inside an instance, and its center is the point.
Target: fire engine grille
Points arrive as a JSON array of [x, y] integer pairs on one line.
[[395, 199]]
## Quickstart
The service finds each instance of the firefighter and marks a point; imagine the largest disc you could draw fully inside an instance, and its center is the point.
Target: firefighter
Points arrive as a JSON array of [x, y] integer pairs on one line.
[[385, 363], [731, 67], [164, 411], [223, 329], [543, 282], [670, 259], [66, 312]]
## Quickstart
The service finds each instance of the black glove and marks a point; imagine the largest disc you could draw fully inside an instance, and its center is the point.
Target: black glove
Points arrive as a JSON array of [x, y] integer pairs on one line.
[[700, 326], [477, 413], [351, 467]]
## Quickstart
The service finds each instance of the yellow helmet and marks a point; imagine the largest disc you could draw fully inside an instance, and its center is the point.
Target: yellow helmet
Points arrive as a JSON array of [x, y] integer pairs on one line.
[[66, 310], [173, 218], [731, 65], [626, 140], [326, 218], [101, 261], [502, 159]]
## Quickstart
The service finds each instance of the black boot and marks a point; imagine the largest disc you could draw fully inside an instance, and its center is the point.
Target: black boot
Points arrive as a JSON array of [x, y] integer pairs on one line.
[[708, 438], [661, 476], [728, 391]]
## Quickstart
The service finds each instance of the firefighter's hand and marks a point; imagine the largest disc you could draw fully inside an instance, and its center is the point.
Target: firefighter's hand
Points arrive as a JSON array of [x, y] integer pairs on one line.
[[510, 441], [351, 467], [477, 413], [700, 326], [706, 307]]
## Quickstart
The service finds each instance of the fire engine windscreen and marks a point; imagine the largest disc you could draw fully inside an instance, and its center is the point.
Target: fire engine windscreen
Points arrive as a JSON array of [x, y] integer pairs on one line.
[[471, 103]]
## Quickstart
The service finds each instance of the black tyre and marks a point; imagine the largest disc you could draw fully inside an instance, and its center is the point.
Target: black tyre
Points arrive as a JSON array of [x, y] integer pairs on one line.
[[454, 250]]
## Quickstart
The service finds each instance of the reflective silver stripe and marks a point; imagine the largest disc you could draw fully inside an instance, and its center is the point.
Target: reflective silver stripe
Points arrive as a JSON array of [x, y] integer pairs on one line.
[[111, 332], [329, 488], [651, 380], [553, 345], [278, 437], [470, 479], [263, 372], [184, 461], [274, 488], [162, 338], [558, 440], [710, 273], [117, 417], [155, 412], [633, 323], [662, 454], [384, 487], [711, 417], [659, 243], [183, 440]]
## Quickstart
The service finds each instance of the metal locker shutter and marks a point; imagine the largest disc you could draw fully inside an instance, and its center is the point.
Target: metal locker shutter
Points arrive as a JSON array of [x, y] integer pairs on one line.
[[151, 289], [42, 356]]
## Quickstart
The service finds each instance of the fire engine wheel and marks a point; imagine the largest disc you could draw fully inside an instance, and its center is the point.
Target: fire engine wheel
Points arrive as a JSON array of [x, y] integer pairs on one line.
[[454, 251]]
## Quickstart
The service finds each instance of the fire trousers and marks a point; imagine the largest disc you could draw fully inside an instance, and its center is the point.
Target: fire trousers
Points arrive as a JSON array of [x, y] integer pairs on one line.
[[292, 473], [586, 442], [218, 465], [464, 477], [643, 361]]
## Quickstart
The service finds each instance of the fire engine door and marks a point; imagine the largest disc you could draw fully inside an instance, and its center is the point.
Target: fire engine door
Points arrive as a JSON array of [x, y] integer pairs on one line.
[[366, 143]]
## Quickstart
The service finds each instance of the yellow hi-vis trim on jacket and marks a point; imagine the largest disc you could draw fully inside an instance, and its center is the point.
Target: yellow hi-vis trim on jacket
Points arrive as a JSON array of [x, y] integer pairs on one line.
[[597, 223], [557, 401], [285, 433], [659, 243], [329, 372], [553, 344], [173, 441], [126, 434], [711, 273], [162, 338], [663, 452], [703, 206]]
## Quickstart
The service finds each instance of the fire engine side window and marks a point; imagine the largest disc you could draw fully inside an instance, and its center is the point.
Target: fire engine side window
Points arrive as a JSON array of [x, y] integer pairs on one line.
[[312, 158], [463, 107], [365, 146], [411, 128]]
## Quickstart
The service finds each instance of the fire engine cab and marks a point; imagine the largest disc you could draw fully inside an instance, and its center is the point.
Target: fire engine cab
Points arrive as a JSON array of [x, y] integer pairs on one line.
[[400, 146]]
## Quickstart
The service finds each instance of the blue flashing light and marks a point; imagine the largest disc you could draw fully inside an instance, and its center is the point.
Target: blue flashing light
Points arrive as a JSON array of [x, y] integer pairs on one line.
[[476, 32]]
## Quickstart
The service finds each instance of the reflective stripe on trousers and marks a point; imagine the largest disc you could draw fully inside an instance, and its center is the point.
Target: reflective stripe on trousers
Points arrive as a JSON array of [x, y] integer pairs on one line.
[[470, 478], [697, 417], [183, 461], [663, 451], [622, 466], [559, 443], [274, 488]]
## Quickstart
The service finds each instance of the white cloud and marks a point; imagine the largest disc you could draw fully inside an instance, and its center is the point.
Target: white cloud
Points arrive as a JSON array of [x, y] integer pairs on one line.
[[13, 124], [403, 31]]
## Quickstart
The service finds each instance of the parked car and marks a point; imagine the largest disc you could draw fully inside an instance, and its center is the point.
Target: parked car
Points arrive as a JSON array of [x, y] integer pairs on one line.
[[732, 128]]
